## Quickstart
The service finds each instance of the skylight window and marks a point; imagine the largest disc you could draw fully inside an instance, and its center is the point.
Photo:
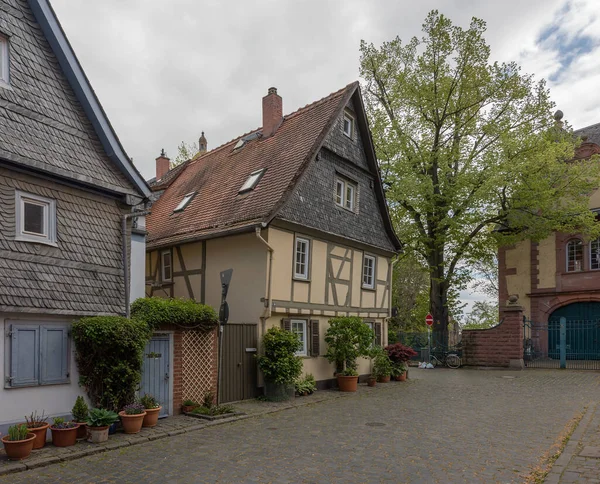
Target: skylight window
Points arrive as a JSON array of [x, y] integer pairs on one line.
[[252, 180], [184, 203]]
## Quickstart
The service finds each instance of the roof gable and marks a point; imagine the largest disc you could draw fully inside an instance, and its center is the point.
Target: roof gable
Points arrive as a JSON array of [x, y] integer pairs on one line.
[[52, 102]]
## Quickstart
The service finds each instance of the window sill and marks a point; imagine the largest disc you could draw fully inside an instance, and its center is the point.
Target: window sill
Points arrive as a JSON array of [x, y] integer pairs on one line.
[[344, 208], [299, 279], [35, 385], [5, 85], [367, 288], [586, 271], [31, 240]]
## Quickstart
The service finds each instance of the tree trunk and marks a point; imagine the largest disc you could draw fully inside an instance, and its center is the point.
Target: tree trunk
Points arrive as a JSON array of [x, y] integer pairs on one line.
[[438, 298]]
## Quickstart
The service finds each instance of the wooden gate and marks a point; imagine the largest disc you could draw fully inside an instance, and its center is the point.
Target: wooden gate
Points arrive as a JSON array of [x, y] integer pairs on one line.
[[239, 369]]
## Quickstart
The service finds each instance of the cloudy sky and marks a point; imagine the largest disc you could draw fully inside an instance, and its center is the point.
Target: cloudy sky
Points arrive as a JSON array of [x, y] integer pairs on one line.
[[165, 71]]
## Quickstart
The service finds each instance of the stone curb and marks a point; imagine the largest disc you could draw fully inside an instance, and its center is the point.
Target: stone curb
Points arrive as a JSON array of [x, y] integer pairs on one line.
[[570, 449], [33, 463]]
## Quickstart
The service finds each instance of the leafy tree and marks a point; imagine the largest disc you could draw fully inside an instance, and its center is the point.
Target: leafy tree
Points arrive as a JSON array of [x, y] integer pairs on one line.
[[466, 146], [483, 315], [410, 295], [185, 151]]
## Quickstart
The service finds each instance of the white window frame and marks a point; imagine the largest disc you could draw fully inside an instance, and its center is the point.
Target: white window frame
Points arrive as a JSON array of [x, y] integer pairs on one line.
[[162, 265], [567, 254], [304, 350], [595, 244], [184, 202], [252, 181], [372, 258], [302, 275], [348, 117], [348, 203], [49, 222], [4, 61]]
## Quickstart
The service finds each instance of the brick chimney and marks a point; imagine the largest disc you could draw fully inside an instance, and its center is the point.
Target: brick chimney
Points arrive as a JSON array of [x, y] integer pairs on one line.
[[163, 164], [202, 144], [272, 106]]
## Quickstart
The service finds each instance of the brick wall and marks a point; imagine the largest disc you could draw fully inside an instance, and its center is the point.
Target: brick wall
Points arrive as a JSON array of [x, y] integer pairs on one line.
[[501, 345]]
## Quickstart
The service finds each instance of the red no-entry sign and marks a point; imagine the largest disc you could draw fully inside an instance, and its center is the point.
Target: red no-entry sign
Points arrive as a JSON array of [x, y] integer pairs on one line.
[[429, 320]]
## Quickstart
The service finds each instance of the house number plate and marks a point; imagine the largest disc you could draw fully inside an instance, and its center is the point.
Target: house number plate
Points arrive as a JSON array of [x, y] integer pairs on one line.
[[250, 350]]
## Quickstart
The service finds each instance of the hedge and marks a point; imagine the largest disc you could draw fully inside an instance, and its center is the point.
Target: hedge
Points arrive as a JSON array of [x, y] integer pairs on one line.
[[185, 313]]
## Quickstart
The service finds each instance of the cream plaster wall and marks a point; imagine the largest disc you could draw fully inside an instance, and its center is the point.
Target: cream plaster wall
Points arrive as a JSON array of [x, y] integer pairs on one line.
[[519, 257], [547, 262], [282, 243], [595, 199], [318, 272]]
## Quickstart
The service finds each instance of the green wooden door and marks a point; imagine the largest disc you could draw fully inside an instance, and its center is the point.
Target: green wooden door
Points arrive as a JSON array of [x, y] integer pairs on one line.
[[583, 331]]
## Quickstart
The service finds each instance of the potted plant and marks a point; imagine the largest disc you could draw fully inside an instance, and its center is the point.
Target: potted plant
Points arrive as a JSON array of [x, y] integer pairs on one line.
[[64, 434], [399, 371], [348, 338], [38, 425], [152, 408], [279, 363], [400, 355], [98, 422], [80, 414], [306, 386], [188, 405], [132, 417], [382, 367], [19, 442]]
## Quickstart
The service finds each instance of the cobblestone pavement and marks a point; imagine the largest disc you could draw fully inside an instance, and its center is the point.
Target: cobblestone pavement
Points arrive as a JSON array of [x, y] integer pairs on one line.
[[441, 426]]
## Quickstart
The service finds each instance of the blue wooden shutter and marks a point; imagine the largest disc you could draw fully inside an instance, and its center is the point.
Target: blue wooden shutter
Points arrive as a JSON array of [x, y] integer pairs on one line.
[[54, 362], [24, 355]]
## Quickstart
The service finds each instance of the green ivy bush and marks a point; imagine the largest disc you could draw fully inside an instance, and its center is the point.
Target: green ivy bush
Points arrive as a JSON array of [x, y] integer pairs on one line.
[[279, 363], [109, 352], [186, 313], [348, 338]]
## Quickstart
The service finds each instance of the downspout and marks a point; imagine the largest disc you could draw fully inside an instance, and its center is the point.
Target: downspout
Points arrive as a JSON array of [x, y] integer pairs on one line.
[[124, 254], [267, 314]]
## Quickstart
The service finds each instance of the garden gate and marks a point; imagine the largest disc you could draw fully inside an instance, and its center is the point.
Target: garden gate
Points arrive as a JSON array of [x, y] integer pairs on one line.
[[239, 369], [156, 371]]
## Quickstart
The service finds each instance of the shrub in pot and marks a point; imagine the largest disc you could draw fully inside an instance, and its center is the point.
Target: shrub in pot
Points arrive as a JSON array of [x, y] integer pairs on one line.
[[306, 386], [152, 408], [400, 355], [382, 367], [348, 338], [279, 364], [80, 414], [18, 444], [64, 434], [132, 417], [189, 405], [98, 421], [399, 371], [38, 425]]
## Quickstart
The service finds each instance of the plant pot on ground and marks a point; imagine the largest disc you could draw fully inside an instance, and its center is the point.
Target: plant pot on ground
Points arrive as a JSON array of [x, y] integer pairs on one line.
[[348, 339], [98, 422], [64, 434], [38, 425], [279, 364], [306, 386], [132, 417], [152, 408], [399, 371], [382, 367], [371, 381], [400, 356], [189, 405], [80, 414], [18, 444]]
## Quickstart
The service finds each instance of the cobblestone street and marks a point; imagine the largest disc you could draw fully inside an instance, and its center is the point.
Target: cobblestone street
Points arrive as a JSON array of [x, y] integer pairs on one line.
[[441, 426]]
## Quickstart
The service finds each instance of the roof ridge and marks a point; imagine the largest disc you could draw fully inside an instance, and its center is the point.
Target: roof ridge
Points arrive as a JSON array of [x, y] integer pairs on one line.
[[586, 127], [301, 109]]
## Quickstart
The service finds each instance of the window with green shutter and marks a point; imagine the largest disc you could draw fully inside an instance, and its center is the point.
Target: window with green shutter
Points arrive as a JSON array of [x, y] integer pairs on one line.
[[39, 355]]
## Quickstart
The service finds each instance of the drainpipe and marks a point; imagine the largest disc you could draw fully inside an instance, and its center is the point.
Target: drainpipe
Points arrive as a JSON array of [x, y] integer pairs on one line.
[[266, 315], [124, 219]]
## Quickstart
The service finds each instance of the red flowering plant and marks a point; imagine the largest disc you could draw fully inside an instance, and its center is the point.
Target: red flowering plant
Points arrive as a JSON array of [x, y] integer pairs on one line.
[[400, 354]]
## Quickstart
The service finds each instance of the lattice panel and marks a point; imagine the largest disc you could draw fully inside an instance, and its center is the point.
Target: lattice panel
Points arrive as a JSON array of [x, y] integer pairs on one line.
[[198, 364]]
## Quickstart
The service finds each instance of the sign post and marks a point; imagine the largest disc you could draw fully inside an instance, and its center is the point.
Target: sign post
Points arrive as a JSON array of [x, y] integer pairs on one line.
[[429, 323]]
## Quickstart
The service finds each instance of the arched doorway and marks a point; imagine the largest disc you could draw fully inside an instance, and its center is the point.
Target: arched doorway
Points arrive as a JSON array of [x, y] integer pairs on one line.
[[583, 331]]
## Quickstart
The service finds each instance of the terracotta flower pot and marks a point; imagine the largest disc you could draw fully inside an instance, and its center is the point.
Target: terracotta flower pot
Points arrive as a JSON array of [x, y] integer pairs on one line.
[[371, 381], [18, 449], [188, 408], [151, 418], [384, 379], [132, 424], [401, 377], [97, 435], [81, 431], [64, 437], [347, 383], [40, 435]]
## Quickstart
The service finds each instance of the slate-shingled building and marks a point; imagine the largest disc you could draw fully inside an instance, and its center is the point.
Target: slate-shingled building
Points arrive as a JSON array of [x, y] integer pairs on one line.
[[66, 189], [297, 210]]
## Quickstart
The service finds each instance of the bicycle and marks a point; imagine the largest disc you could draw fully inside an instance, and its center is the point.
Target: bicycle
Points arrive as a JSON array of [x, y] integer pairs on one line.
[[448, 358]]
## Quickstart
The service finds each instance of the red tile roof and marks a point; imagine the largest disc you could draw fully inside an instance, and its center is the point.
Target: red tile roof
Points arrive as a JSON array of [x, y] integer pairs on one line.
[[217, 176]]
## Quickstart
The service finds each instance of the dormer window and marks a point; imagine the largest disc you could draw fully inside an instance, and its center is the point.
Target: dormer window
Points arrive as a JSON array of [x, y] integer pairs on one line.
[[184, 203], [4, 64], [348, 125], [252, 181], [345, 193]]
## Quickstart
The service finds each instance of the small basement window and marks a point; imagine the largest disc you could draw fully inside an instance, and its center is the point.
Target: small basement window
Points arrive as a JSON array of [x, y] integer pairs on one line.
[[36, 218], [184, 203], [252, 181], [4, 60], [348, 125]]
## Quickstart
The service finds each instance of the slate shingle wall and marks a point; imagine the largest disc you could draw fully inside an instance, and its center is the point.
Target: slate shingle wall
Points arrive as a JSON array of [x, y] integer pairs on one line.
[[312, 204], [83, 275], [41, 122]]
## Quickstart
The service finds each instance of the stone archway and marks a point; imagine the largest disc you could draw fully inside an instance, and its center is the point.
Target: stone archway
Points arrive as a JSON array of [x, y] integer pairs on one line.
[[582, 331]]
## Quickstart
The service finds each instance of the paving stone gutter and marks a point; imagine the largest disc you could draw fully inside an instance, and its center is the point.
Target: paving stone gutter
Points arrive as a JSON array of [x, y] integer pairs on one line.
[[167, 427]]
